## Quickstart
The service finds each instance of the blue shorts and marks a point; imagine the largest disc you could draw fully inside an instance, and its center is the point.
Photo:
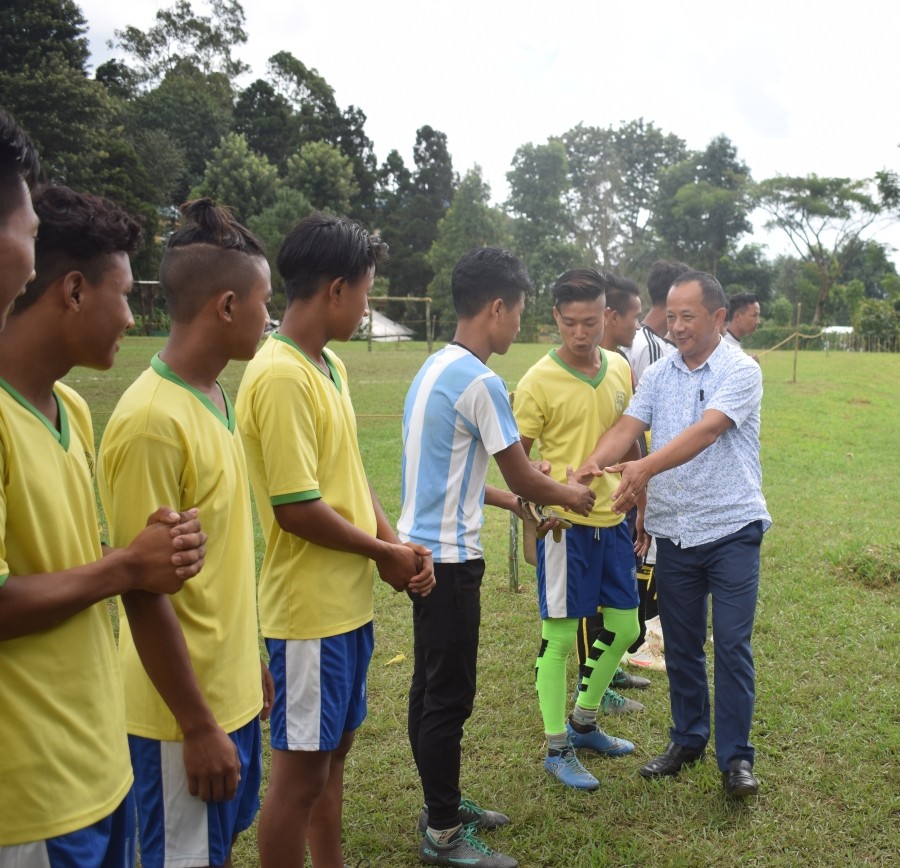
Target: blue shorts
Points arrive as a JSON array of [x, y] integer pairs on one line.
[[177, 828], [320, 688], [108, 843], [588, 568]]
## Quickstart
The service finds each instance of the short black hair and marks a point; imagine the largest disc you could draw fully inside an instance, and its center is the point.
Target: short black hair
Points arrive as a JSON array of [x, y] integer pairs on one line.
[[209, 251], [663, 274], [621, 293], [740, 300], [713, 294], [323, 247], [580, 284], [18, 162], [76, 233], [485, 274]]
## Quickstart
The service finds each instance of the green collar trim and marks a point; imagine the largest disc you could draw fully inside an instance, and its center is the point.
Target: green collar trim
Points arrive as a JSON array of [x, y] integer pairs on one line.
[[61, 435], [335, 376], [597, 379], [167, 373]]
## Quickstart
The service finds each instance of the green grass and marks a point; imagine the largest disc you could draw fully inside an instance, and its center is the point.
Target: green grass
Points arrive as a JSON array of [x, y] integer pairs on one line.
[[827, 727]]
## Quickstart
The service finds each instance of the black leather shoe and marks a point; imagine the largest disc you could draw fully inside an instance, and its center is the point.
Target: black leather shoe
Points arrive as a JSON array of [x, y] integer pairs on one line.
[[739, 780], [670, 762]]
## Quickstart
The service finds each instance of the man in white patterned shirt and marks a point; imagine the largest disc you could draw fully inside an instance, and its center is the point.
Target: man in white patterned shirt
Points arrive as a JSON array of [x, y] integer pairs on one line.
[[706, 510]]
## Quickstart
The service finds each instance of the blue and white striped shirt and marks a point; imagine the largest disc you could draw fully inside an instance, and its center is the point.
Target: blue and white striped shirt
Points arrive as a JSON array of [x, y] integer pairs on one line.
[[720, 490], [456, 415]]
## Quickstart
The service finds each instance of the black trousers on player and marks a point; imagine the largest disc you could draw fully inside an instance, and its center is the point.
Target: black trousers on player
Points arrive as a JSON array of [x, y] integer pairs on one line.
[[445, 633]]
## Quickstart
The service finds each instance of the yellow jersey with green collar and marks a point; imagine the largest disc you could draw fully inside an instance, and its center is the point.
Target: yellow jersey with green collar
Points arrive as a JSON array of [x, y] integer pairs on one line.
[[564, 411], [64, 760], [167, 444], [299, 432]]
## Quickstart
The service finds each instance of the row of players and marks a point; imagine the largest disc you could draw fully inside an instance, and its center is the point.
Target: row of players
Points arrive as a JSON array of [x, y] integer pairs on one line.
[[194, 687]]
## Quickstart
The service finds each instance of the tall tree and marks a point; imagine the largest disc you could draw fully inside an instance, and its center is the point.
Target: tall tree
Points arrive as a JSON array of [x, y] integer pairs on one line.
[[272, 224], [181, 38], [747, 270], [324, 176], [317, 117], [44, 83], [412, 212], [191, 114], [470, 222], [542, 230], [822, 219], [703, 204], [266, 119], [614, 179], [72, 118], [238, 178]]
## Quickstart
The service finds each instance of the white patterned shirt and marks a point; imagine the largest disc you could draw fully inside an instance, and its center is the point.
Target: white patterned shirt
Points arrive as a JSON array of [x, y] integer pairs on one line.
[[720, 490]]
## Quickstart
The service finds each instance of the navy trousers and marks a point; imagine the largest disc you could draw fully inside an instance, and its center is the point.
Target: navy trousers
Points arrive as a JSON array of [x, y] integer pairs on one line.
[[728, 570]]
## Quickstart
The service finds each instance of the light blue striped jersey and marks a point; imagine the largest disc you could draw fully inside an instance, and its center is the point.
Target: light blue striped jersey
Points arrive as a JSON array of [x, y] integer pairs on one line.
[[457, 415]]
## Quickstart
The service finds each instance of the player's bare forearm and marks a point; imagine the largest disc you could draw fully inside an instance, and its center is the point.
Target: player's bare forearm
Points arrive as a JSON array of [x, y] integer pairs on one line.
[[160, 644], [32, 603], [316, 521], [384, 528], [210, 757], [611, 447], [501, 498], [527, 482]]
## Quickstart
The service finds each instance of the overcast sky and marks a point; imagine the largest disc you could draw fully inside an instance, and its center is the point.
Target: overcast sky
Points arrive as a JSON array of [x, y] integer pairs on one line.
[[797, 87]]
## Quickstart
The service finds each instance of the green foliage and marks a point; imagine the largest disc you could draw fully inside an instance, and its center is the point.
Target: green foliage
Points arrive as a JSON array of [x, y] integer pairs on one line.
[[266, 119], [747, 270], [877, 319], [470, 222], [613, 183], [867, 261], [541, 228], [824, 219], [181, 39], [412, 205], [33, 33], [843, 302], [315, 117], [44, 84], [324, 176], [781, 311], [795, 280], [188, 111], [703, 204], [274, 222], [238, 178]]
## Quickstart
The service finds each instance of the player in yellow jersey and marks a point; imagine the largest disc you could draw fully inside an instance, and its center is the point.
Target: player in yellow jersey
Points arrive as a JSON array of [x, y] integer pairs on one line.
[[65, 775], [191, 661], [563, 401], [323, 527]]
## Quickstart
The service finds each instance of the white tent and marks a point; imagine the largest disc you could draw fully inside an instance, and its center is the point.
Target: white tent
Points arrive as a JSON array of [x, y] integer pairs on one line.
[[383, 329]]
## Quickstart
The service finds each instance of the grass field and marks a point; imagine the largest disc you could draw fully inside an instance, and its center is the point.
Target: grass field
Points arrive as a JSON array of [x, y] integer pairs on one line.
[[827, 728]]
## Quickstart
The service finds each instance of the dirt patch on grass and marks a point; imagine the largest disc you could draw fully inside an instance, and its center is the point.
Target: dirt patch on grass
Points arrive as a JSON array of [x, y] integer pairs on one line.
[[873, 566]]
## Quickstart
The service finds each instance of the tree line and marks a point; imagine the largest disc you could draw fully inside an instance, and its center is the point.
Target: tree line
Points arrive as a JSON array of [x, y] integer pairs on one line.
[[168, 118]]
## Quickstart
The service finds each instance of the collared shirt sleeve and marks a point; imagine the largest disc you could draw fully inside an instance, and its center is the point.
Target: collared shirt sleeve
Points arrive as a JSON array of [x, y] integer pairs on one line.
[[641, 404], [739, 393]]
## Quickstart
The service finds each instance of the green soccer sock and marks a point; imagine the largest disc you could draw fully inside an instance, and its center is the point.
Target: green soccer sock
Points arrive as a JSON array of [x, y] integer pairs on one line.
[[557, 639], [620, 628]]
